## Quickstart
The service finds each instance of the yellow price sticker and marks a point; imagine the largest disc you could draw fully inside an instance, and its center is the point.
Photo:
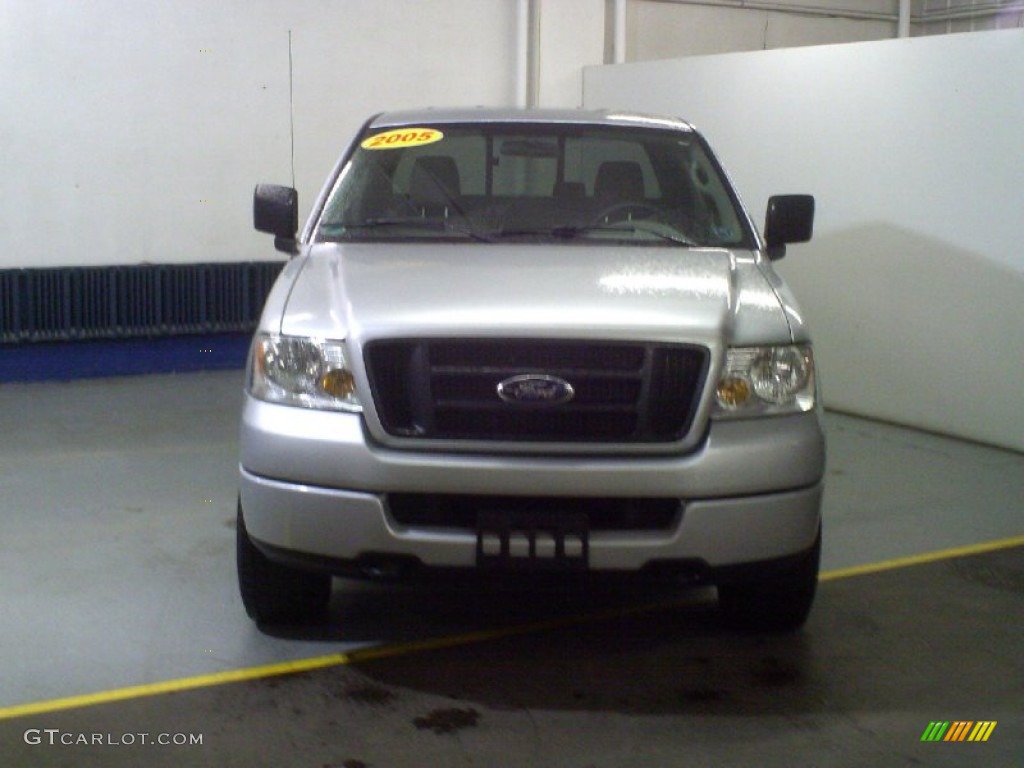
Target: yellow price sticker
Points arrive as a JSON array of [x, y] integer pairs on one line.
[[402, 137]]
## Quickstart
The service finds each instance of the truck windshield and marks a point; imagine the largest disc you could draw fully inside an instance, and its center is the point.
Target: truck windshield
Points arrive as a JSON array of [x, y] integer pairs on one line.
[[547, 182]]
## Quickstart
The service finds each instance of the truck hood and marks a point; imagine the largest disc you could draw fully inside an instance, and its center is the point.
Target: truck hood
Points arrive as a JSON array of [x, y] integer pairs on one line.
[[363, 291]]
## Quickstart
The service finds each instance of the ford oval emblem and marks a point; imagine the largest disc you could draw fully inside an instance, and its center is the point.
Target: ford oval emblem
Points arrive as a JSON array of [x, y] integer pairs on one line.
[[535, 389]]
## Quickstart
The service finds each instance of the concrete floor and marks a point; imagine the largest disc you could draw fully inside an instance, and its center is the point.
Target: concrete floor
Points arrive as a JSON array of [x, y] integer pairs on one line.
[[117, 560]]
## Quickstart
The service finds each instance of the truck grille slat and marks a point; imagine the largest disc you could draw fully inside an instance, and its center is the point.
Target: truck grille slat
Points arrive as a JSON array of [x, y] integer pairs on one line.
[[457, 511], [623, 392]]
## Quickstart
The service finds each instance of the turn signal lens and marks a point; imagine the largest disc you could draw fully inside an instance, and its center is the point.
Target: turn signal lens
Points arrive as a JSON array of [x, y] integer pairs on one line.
[[338, 383], [732, 392]]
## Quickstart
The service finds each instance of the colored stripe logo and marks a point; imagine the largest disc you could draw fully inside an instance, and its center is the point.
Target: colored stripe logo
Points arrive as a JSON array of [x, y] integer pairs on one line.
[[959, 730]]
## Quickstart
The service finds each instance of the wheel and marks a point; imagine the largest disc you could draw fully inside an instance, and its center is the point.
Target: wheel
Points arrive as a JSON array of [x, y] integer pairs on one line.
[[273, 593], [776, 602]]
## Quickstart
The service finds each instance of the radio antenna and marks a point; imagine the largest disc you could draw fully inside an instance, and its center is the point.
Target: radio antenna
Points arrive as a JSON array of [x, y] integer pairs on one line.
[[291, 106]]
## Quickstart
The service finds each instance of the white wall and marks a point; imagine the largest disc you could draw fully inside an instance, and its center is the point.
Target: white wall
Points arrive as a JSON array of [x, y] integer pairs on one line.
[[135, 131], [914, 284], [660, 30], [571, 36], [943, 17]]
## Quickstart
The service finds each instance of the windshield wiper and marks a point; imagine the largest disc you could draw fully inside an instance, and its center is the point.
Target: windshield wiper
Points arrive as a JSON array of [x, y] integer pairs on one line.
[[570, 232], [445, 225]]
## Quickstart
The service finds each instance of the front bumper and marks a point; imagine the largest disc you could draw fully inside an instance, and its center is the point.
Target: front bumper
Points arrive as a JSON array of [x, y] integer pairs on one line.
[[346, 526], [313, 484]]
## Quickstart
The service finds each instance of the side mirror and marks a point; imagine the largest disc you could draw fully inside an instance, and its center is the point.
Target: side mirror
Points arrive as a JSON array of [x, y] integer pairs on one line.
[[275, 210], [790, 219]]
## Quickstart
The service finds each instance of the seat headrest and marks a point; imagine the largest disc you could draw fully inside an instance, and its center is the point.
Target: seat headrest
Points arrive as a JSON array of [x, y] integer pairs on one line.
[[619, 180]]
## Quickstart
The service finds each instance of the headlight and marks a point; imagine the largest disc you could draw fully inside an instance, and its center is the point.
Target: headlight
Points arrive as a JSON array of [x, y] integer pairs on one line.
[[310, 373], [764, 381]]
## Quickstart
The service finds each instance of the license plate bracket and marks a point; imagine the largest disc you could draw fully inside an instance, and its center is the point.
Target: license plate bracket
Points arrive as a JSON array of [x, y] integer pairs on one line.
[[528, 540]]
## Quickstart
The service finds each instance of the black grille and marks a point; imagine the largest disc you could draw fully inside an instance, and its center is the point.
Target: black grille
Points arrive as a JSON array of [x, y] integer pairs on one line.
[[623, 392], [463, 511]]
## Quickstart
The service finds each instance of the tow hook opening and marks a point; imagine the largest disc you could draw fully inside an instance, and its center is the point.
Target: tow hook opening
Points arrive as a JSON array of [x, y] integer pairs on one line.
[[386, 567]]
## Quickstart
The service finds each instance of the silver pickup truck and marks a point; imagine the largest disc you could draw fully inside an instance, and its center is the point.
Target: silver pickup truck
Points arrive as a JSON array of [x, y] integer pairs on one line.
[[516, 342]]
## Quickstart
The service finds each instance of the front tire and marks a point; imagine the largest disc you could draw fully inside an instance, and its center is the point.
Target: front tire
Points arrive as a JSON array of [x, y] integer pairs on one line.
[[273, 593], [774, 602]]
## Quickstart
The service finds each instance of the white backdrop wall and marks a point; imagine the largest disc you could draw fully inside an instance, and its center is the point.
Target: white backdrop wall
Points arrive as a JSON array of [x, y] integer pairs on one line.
[[135, 131], [658, 29], [571, 36], [914, 283]]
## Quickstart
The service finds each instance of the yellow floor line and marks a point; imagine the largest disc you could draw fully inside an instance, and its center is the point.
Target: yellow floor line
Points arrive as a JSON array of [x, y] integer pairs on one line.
[[927, 557], [400, 649], [174, 686]]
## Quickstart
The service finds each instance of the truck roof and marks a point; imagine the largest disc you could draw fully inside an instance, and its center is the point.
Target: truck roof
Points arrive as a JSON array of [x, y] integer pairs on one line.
[[434, 116]]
